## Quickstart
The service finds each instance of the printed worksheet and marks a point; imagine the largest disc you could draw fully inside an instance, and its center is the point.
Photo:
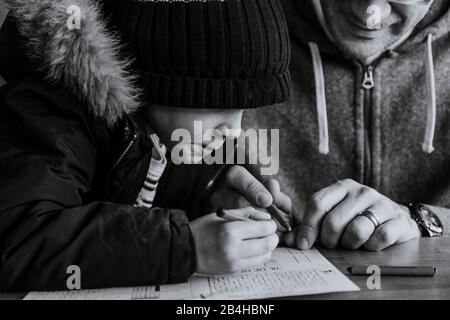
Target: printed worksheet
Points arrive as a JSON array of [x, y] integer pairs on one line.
[[291, 272]]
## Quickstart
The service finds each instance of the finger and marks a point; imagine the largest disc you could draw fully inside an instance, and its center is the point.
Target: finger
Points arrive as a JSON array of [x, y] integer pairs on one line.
[[238, 178], [245, 230], [258, 247], [334, 224], [399, 230], [281, 200], [251, 213], [322, 202], [361, 228], [386, 235]]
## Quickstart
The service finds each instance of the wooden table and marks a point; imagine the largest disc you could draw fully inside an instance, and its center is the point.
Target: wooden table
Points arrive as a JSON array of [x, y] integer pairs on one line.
[[435, 252], [417, 252]]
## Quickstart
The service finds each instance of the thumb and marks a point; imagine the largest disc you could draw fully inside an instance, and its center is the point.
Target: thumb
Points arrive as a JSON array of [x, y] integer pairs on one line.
[[306, 236], [240, 179]]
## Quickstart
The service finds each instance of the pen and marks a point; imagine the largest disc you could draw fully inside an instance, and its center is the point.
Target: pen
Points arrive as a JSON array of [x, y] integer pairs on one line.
[[405, 271], [231, 216]]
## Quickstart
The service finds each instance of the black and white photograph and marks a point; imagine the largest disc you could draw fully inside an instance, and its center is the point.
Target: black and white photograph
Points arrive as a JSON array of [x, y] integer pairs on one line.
[[242, 153]]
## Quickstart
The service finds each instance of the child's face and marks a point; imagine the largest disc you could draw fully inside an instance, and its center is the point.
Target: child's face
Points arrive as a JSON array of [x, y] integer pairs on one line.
[[165, 120]]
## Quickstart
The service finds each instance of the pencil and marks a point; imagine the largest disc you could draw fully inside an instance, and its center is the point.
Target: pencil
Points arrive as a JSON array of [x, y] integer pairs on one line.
[[405, 271], [279, 217], [231, 216]]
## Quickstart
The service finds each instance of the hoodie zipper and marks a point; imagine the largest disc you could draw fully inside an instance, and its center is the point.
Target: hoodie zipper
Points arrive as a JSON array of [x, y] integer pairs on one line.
[[368, 85]]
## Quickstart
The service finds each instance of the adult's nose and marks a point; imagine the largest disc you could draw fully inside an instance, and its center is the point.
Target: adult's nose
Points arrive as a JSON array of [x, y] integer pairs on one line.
[[371, 13]]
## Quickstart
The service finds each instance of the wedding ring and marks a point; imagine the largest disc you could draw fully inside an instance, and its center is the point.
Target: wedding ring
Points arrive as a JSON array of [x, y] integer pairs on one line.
[[369, 215]]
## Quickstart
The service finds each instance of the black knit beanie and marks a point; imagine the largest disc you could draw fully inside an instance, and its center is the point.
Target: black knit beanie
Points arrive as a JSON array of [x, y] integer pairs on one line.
[[217, 54]]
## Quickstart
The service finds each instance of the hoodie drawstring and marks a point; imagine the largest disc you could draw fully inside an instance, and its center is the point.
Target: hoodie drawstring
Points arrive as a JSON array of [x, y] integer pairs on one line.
[[427, 145], [321, 102]]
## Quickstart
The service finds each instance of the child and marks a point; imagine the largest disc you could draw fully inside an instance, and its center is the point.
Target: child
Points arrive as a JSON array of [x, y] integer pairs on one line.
[[195, 61], [201, 63]]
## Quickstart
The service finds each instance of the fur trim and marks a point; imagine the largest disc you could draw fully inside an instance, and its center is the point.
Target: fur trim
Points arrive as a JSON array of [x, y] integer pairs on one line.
[[85, 60]]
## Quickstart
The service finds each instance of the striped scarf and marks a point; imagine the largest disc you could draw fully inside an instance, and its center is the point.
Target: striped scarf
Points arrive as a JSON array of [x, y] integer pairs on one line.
[[155, 171]]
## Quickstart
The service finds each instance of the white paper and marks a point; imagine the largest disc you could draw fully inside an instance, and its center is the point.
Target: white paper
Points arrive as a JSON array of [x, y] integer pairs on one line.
[[290, 273]]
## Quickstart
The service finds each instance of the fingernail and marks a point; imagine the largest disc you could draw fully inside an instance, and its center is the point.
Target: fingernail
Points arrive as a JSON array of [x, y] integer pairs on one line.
[[266, 216], [303, 244], [264, 200]]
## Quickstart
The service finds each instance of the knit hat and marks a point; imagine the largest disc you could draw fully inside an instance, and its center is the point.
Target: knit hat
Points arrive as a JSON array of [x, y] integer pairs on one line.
[[216, 54]]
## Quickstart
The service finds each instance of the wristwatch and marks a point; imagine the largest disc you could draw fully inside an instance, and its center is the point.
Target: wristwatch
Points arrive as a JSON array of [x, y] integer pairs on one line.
[[429, 223]]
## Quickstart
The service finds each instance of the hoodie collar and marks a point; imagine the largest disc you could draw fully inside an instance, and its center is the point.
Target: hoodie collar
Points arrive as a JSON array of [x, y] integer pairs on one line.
[[305, 26], [320, 39]]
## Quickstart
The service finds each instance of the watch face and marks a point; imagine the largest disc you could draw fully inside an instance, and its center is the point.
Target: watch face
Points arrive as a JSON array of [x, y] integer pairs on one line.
[[431, 221]]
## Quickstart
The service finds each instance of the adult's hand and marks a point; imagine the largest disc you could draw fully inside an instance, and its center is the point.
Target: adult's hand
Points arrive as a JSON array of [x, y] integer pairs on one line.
[[243, 188], [333, 217]]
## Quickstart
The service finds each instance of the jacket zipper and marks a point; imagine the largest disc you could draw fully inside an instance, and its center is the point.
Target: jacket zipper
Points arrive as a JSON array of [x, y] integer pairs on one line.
[[368, 85], [125, 151]]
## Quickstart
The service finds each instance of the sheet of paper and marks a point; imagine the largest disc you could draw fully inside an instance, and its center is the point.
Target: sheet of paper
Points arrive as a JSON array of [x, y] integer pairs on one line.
[[290, 273]]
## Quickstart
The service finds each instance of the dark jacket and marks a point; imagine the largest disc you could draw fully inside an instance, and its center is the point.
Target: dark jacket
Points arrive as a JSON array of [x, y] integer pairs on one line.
[[70, 173], [375, 135]]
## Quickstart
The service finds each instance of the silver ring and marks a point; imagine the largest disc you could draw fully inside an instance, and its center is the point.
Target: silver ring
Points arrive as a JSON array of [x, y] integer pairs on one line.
[[372, 217]]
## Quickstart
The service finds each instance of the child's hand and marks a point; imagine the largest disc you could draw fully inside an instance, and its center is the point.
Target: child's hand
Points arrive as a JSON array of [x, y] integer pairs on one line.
[[243, 188], [224, 247]]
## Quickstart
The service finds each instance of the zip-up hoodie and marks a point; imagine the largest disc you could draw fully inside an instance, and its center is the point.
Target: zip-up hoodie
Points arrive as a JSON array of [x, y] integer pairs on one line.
[[386, 125]]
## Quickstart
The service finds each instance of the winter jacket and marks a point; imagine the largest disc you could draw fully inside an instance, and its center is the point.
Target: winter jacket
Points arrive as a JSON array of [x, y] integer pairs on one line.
[[73, 160], [380, 134]]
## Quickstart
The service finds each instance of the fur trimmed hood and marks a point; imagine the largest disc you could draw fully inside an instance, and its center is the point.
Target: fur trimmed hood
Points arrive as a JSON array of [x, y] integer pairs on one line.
[[84, 60]]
